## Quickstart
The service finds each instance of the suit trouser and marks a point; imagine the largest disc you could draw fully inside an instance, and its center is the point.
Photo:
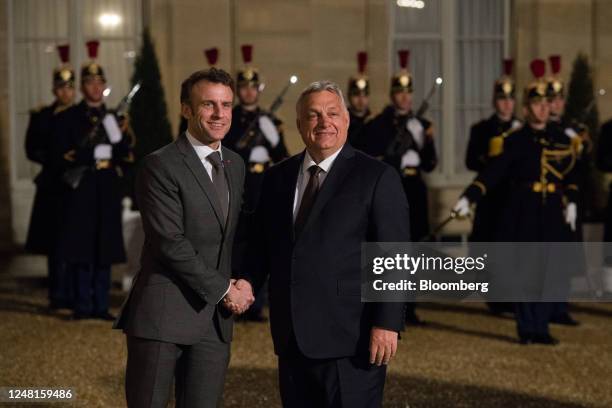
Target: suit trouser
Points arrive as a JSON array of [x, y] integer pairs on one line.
[[198, 370], [335, 383]]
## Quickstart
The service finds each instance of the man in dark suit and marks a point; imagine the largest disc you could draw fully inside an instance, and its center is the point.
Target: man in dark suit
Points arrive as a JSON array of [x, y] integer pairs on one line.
[[315, 211], [189, 194]]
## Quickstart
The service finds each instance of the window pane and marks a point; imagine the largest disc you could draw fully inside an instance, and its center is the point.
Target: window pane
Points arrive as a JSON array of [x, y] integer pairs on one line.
[[40, 19], [479, 64], [116, 23], [409, 20], [110, 18], [480, 17], [479, 54], [38, 27]]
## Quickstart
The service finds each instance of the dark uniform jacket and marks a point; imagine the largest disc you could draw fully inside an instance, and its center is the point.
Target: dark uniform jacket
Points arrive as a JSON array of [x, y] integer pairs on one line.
[[315, 278], [241, 119], [537, 167], [476, 159], [388, 137], [356, 128], [91, 230], [44, 221]]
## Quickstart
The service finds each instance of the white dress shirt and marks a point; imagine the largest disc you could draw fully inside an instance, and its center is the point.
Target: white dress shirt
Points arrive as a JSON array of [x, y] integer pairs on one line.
[[203, 151], [304, 176]]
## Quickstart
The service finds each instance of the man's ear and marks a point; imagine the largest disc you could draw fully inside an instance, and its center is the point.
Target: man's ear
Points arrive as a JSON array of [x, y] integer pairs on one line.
[[185, 111], [297, 123]]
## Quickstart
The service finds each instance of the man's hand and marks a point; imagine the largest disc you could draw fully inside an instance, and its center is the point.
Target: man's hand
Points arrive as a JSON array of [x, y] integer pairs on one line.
[[383, 345], [240, 296]]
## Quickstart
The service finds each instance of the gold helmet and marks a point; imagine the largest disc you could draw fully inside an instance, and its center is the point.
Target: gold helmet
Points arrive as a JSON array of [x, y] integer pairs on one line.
[[359, 83], [556, 87], [64, 74], [91, 69], [536, 89], [504, 85], [248, 75], [402, 81]]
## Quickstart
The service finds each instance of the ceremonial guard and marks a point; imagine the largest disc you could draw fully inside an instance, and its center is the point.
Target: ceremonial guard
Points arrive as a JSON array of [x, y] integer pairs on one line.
[[579, 135], [93, 149], [406, 142], [477, 157], [44, 221], [536, 163], [358, 101], [256, 135]]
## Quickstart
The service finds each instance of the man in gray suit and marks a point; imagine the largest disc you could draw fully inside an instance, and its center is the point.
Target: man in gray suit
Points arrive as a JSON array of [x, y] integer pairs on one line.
[[176, 318]]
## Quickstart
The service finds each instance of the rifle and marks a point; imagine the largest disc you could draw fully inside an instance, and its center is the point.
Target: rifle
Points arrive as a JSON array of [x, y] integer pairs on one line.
[[247, 137], [126, 101], [425, 104]]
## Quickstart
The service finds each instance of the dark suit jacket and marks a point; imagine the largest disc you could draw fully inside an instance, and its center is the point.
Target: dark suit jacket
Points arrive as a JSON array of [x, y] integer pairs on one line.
[[186, 255], [315, 279]]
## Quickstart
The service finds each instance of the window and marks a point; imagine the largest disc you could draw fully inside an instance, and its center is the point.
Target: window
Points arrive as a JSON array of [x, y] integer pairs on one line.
[[464, 42], [36, 28]]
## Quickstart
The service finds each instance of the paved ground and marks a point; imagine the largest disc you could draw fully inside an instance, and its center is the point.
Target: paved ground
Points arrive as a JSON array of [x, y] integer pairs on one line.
[[463, 358]]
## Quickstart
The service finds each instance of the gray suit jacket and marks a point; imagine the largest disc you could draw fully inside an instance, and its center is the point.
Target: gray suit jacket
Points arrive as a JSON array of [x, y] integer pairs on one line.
[[185, 262]]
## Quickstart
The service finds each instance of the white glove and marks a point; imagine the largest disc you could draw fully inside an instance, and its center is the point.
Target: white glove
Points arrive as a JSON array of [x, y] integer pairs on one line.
[[259, 154], [571, 212], [112, 128], [103, 152], [411, 159], [462, 208], [417, 131], [269, 130]]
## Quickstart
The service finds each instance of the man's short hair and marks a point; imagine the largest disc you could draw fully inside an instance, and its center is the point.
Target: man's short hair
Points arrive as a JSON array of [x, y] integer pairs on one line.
[[320, 86], [212, 75]]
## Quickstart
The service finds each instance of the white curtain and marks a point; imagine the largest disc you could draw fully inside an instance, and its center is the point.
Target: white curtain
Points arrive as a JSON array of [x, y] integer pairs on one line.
[[480, 50]]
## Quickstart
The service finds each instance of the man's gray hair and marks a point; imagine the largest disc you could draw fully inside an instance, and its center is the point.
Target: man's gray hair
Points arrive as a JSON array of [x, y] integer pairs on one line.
[[319, 86]]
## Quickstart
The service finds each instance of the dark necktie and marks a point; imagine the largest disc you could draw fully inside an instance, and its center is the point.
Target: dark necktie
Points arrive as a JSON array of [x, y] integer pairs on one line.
[[308, 199], [219, 181]]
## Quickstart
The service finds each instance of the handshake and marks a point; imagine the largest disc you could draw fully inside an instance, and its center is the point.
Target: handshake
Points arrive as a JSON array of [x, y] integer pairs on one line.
[[239, 297]]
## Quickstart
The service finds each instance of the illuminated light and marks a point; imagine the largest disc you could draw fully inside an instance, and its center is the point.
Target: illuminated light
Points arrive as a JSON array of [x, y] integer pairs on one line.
[[129, 54], [418, 4], [109, 20], [106, 92], [602, 92], [439, 81], [293, 79]]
